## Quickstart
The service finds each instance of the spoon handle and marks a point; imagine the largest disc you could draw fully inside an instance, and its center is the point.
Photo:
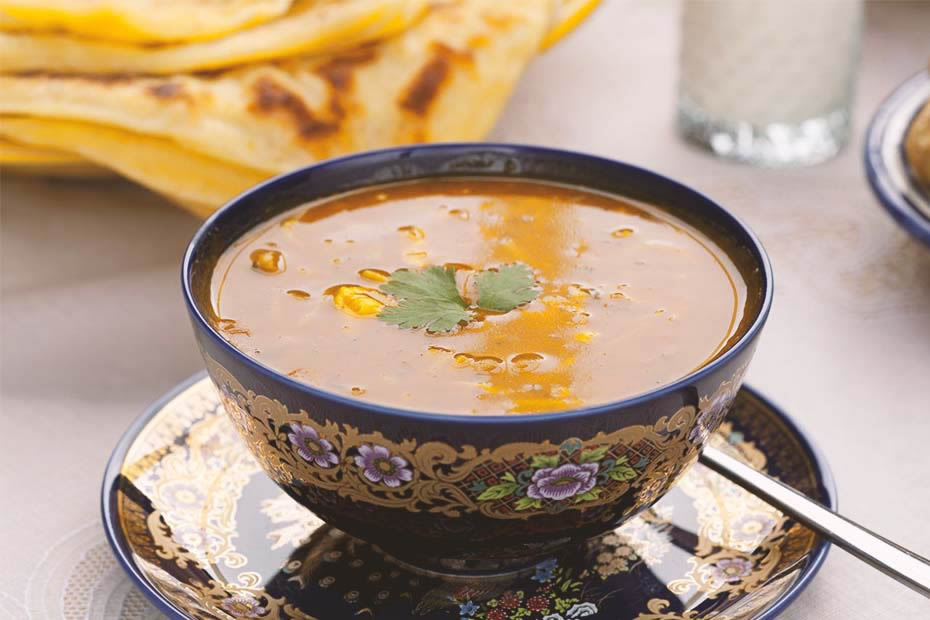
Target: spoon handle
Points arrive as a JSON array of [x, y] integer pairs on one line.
[[891, 559]]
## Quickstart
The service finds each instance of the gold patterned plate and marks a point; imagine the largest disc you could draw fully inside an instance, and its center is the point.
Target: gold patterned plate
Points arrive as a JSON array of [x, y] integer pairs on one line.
[[205, 534]]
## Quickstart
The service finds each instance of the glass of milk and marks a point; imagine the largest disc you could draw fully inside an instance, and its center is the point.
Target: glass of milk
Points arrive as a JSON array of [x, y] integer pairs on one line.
[[769, 82]]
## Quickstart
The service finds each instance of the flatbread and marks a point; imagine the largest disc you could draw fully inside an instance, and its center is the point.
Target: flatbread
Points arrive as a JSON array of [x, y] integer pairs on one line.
[[38, 161], [13, 153], [139, 21], [568, 15], [310, 27], [199, 183], [444, 79]]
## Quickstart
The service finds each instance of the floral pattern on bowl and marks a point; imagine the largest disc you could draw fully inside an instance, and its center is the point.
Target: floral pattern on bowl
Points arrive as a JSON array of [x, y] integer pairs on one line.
[[511, 481]]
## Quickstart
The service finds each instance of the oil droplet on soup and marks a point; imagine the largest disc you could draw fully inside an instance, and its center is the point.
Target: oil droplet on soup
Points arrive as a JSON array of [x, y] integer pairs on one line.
[[483, 363], [416, 258], [359, 301], [268, 261], [583, 340], [374, 275], [413, 232], [526, 362], [459, 266]]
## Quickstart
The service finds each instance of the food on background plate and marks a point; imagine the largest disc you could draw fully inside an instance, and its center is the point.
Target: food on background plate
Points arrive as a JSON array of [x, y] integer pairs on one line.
[[479, 296], [917, 146], [443, 77]]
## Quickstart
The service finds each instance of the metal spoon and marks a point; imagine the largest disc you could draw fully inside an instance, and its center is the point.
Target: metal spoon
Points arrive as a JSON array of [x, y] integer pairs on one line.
[[905, 566]]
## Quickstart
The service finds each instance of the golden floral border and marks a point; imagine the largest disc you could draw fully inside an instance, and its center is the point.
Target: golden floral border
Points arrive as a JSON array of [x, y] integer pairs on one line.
[[512, 481]]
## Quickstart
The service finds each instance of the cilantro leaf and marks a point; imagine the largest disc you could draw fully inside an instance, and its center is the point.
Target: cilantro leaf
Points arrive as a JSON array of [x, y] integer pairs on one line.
[[427, 298], [430, 298], [504, 289]]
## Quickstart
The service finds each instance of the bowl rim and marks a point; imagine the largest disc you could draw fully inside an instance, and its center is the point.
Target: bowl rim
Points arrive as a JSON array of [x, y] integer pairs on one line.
[[464, 148]]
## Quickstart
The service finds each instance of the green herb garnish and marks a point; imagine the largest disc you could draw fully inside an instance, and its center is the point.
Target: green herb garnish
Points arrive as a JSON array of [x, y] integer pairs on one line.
[[431, 299], [427, 298], [506, 288]]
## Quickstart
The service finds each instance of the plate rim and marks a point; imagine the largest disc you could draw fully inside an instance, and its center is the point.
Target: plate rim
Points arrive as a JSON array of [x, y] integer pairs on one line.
[[909, 217], [111, 525]]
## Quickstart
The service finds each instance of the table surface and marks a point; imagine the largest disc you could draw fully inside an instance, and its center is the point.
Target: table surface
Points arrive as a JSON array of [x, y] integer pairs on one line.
[[93, 328]]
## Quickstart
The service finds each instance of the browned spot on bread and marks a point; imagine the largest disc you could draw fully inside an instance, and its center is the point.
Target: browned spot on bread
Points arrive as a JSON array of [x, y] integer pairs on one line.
[[425, 86], [102, 78], [336, 109], [271, 97], [167, 90], [462, 56], [338, 72]]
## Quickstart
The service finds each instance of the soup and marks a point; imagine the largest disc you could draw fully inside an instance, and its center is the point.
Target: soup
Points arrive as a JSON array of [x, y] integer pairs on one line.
[[479, 296]]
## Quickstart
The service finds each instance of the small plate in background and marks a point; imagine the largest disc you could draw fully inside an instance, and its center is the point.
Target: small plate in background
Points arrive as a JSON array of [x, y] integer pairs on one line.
[[886, 164]]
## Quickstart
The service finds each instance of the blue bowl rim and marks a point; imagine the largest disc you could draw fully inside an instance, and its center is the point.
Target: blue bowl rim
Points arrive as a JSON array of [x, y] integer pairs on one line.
[[465, 419], [900, 209], [113, 530]]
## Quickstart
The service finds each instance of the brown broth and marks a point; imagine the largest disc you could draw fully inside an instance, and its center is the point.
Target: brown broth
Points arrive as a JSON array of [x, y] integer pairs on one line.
[[631, 297]]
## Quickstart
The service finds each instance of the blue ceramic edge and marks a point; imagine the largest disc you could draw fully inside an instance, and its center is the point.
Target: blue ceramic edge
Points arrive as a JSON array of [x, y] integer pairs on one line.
[[112, 530], [111, 525], [891, 199], [401, 153]]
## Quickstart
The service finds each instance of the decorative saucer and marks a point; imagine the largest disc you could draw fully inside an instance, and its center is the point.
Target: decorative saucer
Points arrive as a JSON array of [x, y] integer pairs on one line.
[[205, 534], [886, 164]]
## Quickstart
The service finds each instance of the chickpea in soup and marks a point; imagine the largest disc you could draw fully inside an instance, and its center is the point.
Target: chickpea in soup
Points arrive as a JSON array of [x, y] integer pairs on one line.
[[479, 296]]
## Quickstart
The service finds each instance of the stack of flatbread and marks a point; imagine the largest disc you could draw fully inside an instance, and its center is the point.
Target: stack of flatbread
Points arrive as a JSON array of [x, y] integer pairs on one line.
[[200, 100]]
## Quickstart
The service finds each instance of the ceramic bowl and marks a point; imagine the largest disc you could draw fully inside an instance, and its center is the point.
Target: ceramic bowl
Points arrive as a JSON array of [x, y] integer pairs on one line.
[[464, 493]]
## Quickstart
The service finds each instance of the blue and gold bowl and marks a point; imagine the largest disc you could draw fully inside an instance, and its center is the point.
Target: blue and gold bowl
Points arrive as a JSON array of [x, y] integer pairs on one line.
[[464, 493]]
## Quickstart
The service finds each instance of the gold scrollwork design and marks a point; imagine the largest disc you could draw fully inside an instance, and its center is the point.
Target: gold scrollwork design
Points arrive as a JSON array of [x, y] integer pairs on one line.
[[511, 481]]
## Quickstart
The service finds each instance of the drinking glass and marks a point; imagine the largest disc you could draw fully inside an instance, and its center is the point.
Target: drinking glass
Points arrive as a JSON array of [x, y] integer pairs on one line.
[[769, 82]]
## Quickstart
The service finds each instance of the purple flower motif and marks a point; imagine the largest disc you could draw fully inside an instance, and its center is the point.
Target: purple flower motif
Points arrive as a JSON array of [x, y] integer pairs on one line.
[[729, 570], [378, 465], [752, 528], [311, 447], [182, 495], [562, 482], [243, 607]]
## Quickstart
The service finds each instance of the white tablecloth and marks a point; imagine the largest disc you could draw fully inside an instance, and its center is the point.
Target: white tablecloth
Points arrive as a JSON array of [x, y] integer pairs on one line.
[[93, 328]]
